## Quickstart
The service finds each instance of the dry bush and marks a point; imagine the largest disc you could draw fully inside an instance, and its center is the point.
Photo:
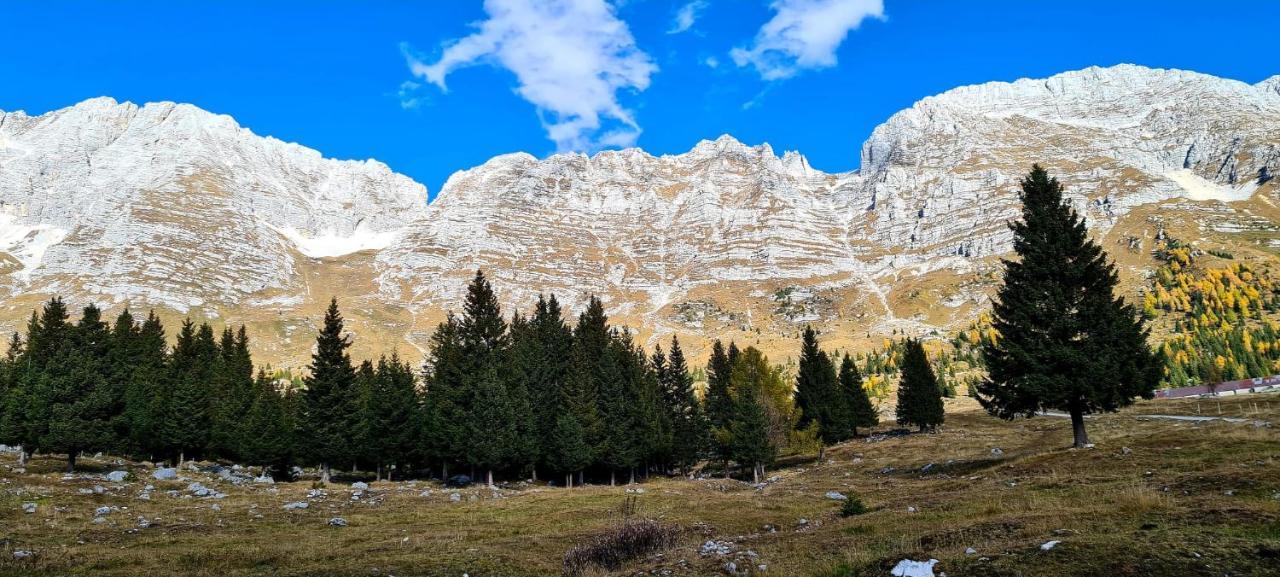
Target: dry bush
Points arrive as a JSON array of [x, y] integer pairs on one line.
[[629, 540]]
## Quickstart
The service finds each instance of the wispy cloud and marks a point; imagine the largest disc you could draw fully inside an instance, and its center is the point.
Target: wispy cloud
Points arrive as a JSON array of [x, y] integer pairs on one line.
[[407, 93], [570, 57], [804, 34], [687, 15]]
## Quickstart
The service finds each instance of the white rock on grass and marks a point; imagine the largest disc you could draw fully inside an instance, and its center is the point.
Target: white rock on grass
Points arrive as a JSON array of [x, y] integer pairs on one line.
[[836, 496], [23, 555], [337, 522], [296, 505], [117, 476], [28, 508], [1049, 545], [165, 474], [360, 486], [909, 568]]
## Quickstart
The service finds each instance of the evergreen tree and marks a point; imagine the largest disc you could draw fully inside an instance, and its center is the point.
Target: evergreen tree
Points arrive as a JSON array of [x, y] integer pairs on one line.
[[522, 362], [271, 443], [817, 394], [919, 397], [391, 415], [545, 370], [689, 429], [12, 392], [146, 393], [590, 366], [719, 400], [194, 362], [328, 400], [234, 393], [570, 452], [1065, 341], [750, 442], [26, 413], [444, 406], [859, 410], [72, 391]]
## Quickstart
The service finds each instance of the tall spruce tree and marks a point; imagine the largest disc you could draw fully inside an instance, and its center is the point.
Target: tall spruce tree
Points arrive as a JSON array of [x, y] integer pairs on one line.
[[719, 401], [73, 391], [270, 428], [146, 393], [545, 371], [1065, 340], [689, 430], [444, 407], [391, 416], [919, 397], [490, 410], [858, 408], [328, 401], [193, 364], [817, 395]]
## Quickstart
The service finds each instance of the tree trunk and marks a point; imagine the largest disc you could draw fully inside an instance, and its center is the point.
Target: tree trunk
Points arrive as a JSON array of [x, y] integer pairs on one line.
[[182, 456], [22, 457], [71, 461], [1077, 428], [535, 474], [633, 476], [582, 478], [489, 476], [324, 473], [822, 451], [377, 474], [726, 468], [755, 473], [444, 471], [613, 477], [568, 480]]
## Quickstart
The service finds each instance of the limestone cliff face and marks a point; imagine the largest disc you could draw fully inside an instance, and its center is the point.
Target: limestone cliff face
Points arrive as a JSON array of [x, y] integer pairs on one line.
[[167, 205]]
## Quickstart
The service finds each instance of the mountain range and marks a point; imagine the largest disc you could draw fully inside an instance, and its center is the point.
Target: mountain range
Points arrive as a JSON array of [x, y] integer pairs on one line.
[[170, 207]]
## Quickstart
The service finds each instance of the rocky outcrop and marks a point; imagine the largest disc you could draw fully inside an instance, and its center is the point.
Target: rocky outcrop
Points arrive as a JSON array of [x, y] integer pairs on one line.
[[167, 205]]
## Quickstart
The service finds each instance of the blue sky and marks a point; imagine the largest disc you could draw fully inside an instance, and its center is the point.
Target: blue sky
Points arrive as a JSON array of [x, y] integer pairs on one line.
[[434, 87]]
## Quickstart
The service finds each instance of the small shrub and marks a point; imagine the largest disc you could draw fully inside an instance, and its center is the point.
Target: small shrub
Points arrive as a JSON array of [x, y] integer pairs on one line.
[[852, 506], [611, 548]]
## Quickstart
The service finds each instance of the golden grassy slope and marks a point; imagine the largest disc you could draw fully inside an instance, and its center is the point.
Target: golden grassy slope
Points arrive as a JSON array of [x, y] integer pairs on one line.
[[1155, 497]]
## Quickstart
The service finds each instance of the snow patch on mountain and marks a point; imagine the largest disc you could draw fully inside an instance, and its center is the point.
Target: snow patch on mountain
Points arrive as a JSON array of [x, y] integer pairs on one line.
[[27, 243], [1198, 188], [331, 244]]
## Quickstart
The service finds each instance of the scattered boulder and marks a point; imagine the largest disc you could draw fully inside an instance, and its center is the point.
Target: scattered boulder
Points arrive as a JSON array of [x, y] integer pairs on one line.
[[264, 480], [927, 468], [117, 476], [997, 451], [909, 568], [360, 486], [836, 496], [199, 490], [28, 508], [970, 551], [165, 474], [455, 497], [337, 522], [296, 505], [1049, 545], [715, 548], [100, 511], [23, 555], [458, 481]]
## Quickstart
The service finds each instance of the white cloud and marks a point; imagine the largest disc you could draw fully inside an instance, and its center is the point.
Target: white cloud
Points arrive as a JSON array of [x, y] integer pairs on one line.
[[711, 62], [570, 58], [804, 34], [687, 15], [409, 100]]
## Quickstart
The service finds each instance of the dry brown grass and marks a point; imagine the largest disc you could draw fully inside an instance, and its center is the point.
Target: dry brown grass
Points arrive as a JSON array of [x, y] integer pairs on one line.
[[1183, 499]]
